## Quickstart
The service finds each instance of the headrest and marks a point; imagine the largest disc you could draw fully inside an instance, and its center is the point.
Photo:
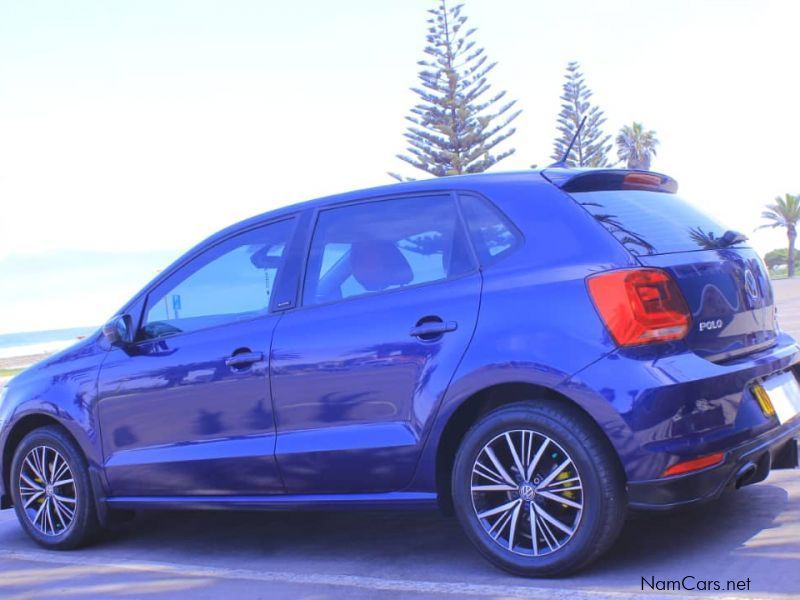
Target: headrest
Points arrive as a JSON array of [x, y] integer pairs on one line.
[[379, 264]]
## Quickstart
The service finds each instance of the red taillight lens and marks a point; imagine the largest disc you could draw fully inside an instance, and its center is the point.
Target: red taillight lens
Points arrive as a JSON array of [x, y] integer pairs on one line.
[[695, 464], [640, 306]]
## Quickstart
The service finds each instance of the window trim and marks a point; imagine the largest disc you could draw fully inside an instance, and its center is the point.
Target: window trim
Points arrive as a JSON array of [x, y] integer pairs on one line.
[[178, 268], [460, 222]]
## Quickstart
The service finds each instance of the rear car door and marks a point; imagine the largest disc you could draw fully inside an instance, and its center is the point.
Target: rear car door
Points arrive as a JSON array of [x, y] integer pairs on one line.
[[186, 410], [389, 305]]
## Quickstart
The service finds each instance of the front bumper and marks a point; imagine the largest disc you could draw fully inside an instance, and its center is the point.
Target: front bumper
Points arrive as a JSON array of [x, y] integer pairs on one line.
[[747, 463]]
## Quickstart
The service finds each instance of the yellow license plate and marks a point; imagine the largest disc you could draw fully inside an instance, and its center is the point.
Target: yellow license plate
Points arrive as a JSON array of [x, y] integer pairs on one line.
[[784, 394]]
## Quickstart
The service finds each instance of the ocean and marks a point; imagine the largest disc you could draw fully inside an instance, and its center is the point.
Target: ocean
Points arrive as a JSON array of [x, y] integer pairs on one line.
[[35, 342]]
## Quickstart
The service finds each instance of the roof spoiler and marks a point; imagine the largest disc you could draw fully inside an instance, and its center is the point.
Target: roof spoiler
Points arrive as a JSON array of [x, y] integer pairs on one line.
[[597, 180]]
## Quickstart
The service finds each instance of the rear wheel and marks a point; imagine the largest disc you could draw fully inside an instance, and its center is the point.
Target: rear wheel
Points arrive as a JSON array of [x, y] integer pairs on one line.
[[538, 490], [51, 490]]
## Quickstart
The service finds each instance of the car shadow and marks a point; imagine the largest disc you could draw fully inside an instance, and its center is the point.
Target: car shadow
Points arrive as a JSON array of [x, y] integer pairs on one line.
[[750, 533]]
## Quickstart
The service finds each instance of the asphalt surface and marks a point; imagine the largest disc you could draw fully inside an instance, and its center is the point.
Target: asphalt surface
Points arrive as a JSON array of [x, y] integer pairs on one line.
[[750, 537]]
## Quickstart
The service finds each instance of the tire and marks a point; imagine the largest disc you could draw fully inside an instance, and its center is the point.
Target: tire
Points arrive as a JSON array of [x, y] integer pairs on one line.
[[576, 481], [69, 519]]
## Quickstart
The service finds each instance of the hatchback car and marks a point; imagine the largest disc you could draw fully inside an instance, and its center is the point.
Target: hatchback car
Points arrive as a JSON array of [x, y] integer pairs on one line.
[[537, 352]]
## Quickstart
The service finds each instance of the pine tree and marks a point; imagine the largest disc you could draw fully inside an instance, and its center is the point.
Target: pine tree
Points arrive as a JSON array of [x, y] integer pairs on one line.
[[592, 146], [454, 128]]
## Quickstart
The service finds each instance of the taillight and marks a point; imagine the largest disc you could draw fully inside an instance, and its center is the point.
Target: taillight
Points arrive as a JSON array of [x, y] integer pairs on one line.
[[640, 306]]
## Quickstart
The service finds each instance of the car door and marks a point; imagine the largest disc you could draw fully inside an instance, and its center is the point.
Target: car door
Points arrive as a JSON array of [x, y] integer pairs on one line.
[[389, 305], [186, 409]]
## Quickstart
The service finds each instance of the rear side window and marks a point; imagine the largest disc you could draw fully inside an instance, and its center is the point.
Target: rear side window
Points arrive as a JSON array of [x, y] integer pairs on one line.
[[491, 232], [653, 222], [384, 245]]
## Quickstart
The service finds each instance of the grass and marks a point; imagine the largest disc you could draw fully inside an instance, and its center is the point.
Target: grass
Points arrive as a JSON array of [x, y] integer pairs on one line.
[[11, 372]]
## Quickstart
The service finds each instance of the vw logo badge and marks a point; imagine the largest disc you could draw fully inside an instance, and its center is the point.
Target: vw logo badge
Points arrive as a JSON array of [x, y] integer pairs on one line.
[[750, 284], [527, 491]]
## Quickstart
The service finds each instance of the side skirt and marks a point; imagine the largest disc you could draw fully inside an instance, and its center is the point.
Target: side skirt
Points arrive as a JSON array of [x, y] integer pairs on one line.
[[400, 500]]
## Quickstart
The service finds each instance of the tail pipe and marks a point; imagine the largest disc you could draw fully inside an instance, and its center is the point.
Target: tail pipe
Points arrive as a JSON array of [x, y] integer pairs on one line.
[[745, 474]]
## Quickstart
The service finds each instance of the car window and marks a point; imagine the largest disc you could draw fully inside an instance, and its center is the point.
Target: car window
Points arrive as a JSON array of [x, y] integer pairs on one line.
[[384, 245], [491, 233], [229, 282], [648, 222]]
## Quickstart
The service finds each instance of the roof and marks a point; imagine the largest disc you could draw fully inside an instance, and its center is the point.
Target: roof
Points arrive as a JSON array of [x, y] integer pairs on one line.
[[451, 183], [560, 177]]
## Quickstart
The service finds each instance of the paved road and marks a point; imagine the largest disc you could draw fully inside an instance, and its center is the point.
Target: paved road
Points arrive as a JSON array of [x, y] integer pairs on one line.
[[753, 533]]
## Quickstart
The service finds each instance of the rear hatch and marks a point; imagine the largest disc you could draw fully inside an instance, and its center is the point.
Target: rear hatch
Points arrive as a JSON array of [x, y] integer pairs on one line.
[[723, 280]]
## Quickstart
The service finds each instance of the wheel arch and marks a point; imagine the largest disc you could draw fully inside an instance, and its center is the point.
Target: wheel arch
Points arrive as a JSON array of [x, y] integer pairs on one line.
[[482, 402], [31, 422]]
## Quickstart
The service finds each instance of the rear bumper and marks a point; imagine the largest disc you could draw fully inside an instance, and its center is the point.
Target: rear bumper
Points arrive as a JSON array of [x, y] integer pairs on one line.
[[748, 463]]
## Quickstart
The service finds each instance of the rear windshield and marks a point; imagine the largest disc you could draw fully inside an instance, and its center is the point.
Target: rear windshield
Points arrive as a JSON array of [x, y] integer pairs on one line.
[[654, 222]]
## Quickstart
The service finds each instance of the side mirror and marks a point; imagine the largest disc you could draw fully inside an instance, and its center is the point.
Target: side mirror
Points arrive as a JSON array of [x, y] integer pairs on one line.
[[119, 330]]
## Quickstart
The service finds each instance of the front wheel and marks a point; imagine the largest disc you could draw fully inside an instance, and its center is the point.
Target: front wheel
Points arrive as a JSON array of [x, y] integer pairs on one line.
[[51, 490], [538, 489]]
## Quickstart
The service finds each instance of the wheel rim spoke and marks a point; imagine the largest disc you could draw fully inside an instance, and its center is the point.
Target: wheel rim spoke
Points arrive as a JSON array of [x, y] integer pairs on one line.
[[49, 516], [47, 490], [523, 517], [57, 506], [498, 487], [39, 513], [41, 462], [561, 500], [499, 509], [532, 465], [552, 520], [547, 533], [514, 455], [32, 498], [534, 532], [487, 473], [62, 470], [29, 482], [554, 473], [34, 469], [513, 529], [497, 465]]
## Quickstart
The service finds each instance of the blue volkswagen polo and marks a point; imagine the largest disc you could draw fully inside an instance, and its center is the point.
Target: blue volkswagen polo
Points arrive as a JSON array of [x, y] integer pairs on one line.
[[536, 352]]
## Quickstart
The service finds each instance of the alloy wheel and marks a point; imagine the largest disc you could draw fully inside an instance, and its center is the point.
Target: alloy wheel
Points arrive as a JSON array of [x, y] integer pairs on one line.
[[47, 490], [527, 493]]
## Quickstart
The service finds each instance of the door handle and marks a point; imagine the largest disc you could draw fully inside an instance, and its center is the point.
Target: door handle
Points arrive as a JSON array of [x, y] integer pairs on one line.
[[244, 358], [433, 328]]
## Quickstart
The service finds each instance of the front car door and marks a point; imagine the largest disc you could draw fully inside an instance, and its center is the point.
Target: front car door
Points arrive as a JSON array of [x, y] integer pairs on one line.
[[389, 305], [186, 410]]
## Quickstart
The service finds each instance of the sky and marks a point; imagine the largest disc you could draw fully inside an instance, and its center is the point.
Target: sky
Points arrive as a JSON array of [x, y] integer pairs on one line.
[[129, 131]]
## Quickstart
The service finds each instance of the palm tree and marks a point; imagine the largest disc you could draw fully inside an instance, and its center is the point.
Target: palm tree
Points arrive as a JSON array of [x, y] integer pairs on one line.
[[785, 212], [636, 147]]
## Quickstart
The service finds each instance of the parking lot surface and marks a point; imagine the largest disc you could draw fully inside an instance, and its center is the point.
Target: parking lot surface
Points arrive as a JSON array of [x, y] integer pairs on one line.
[[749, 538], [753, 533]]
